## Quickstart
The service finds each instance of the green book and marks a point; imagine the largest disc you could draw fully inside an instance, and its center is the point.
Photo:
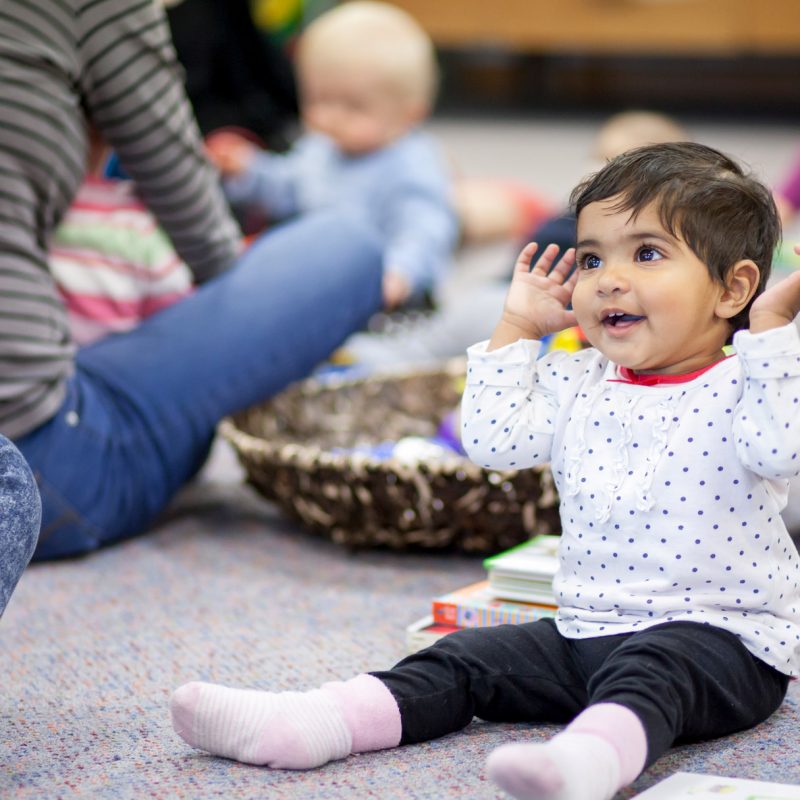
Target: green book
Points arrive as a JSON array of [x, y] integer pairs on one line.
[[525, 572]]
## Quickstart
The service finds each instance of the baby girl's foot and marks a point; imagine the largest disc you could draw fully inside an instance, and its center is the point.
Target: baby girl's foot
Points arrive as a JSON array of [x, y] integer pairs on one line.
[[290, 730], [568, 767], [603, 749], [287, 730]]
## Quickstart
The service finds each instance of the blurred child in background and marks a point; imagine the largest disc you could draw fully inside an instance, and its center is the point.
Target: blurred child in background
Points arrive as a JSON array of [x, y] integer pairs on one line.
[[113, 265], [470, 314], [367, 80], [787, 194]]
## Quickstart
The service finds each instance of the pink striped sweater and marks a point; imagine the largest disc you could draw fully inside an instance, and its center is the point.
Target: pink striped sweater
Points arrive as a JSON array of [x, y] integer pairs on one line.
[[112, 264]]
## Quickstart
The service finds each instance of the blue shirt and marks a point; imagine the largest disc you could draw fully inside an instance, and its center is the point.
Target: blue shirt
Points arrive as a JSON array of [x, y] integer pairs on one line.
[[403, 190]]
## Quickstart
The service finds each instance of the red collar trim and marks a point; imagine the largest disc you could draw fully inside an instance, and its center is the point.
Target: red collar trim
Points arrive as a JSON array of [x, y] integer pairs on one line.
[[629, 376]]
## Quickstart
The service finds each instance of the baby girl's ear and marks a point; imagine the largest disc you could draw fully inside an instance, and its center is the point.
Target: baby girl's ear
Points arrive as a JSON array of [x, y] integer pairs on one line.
[[740, 285]]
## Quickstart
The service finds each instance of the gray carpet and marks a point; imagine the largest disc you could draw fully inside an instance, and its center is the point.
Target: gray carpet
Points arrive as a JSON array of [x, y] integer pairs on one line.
[[226, 590]]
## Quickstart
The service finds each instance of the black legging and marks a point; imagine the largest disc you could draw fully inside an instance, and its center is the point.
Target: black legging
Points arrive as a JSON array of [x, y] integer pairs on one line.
[[685, 681]]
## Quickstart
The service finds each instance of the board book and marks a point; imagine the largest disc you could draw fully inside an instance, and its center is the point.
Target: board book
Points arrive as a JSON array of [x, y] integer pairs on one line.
[[476, 606], [694, 786], [424, 632], [525, 572]]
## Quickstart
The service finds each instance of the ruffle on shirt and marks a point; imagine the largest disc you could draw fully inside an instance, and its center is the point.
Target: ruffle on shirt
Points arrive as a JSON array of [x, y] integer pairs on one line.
[[580, 420], [618, 465]]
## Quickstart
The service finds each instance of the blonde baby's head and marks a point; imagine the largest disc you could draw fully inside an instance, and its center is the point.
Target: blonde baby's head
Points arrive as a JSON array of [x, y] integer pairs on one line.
[[630, 129], [367, 74]]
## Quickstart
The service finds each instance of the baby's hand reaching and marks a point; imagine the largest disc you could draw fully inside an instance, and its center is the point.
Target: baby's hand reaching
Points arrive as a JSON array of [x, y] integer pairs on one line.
[[230, 152], [778, 305], [536, 303], [396, 290]]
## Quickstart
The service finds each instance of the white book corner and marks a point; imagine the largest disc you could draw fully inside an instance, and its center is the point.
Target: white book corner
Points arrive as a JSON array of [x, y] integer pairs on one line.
[[694, 786]]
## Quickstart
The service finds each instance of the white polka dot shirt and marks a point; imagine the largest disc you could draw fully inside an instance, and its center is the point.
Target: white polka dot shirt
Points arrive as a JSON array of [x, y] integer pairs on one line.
[[670, 491]]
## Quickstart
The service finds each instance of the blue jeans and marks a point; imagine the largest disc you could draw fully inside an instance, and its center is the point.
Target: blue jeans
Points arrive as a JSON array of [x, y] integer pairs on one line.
[[142, 407], [20, 514]]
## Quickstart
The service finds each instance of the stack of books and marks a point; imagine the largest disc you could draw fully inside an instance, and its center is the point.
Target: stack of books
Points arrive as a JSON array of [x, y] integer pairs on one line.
[[518, 588]]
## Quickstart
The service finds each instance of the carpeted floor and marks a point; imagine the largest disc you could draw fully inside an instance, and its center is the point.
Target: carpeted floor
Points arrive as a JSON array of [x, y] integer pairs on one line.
[[226, 590]]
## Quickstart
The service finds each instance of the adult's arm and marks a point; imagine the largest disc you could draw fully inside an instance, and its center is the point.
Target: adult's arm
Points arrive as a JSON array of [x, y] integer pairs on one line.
[[132, 85]]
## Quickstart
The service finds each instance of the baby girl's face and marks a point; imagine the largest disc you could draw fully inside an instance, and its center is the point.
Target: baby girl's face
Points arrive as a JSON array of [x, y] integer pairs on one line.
[[643, 298]]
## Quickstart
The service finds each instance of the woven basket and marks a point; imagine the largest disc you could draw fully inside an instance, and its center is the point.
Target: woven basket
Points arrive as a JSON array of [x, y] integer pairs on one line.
[[290, 449]]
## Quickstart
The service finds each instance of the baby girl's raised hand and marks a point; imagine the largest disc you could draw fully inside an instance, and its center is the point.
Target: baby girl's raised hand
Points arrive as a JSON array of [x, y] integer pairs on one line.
[[778, 305], [536, 302]]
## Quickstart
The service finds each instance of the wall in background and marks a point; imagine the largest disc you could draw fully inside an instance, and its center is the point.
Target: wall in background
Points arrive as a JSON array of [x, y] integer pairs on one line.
[[731, 56]]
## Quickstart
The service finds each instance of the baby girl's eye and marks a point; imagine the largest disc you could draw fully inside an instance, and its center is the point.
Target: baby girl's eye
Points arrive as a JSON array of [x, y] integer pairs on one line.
[[590, 261], [648, 254]]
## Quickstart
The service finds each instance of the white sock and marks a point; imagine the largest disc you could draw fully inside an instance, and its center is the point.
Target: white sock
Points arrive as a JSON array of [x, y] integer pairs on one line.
[[286, 730], [571, 766]]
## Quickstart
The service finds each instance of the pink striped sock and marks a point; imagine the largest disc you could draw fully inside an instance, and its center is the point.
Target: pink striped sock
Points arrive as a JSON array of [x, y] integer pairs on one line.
[[621, 728], [370, 711], [601, 751], [287, 730]]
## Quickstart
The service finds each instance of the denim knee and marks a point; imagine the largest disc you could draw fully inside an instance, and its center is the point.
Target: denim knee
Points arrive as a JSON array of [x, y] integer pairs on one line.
[[20, 517]]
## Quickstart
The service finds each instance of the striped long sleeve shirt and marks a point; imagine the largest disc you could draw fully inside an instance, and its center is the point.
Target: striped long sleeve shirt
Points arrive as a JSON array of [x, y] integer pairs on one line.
[[61, 61]]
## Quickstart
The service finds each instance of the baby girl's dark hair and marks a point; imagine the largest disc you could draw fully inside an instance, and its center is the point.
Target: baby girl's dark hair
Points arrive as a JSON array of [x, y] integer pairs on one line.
[[703, 197]]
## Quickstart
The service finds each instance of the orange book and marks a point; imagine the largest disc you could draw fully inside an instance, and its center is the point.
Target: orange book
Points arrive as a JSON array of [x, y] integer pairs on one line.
[[424, 632], [476, 606]]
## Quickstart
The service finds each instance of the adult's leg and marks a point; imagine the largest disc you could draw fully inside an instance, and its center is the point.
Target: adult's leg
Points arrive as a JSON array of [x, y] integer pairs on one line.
[[20, 513], [144, 405], [510, 673]]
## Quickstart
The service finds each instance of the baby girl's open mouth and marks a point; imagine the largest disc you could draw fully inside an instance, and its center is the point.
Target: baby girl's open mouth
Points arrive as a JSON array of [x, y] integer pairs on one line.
[[619, 320]]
